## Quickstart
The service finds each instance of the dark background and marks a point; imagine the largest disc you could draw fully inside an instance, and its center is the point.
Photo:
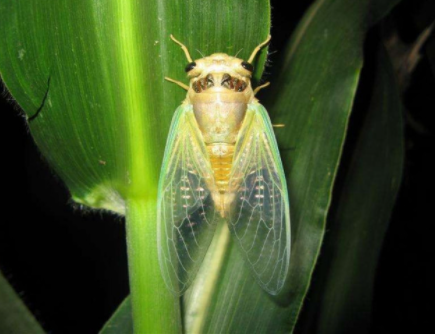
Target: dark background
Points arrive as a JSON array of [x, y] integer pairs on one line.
[[70, 266]]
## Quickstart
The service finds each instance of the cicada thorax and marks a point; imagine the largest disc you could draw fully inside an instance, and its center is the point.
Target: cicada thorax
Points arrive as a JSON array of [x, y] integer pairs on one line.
[[220, 101]]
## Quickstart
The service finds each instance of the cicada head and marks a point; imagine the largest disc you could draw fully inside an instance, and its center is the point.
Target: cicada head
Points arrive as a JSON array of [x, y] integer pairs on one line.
[[221, 72], [219, 91]]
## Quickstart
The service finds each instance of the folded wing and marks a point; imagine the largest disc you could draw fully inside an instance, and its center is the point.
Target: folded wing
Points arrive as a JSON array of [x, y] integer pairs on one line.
[[258, 206], [186, 213]]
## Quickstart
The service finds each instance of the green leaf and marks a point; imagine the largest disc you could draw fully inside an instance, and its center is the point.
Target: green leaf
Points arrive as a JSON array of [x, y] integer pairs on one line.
[[121, 321], [364, 210], [15, 318], [90, 77], [97, 70], [380, 8], [343, 291]]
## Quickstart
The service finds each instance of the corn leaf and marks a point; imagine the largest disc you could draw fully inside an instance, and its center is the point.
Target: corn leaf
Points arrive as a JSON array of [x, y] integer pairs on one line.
[[90, 77], [342, 293], [380, 8], [121, 321], [15, 318]]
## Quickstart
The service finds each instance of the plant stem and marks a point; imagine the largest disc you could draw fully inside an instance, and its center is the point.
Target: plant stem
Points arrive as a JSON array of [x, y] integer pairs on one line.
[[155, 309]]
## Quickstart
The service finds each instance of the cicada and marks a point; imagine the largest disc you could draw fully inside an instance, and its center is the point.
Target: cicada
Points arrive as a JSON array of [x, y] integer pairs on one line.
[[222, 163]]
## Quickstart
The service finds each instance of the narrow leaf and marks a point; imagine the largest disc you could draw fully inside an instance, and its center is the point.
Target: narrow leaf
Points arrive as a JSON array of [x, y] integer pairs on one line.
[[380, 8], [121, 320], [342, 294], [15, 318]]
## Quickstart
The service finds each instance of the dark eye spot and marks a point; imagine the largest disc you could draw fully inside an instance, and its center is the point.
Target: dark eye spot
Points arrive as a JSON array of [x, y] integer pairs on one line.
[[247, 66], [190, 66]]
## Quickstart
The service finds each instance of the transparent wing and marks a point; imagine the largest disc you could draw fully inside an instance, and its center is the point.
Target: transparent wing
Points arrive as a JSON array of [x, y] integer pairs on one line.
[[258, 206], [186, 215]]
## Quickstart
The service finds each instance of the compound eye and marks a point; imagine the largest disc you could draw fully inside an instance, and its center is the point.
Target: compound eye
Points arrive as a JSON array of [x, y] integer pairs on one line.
[[247, 66], [190, 66]]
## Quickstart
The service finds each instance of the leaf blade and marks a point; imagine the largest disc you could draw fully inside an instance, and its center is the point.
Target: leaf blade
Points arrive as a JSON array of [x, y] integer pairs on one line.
[[120, 322], [15, 318], [107, 113], [342, 295], [108, 109]]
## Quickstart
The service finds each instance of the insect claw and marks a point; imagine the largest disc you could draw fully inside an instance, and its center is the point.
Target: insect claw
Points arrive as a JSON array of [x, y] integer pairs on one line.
[[179, 83]]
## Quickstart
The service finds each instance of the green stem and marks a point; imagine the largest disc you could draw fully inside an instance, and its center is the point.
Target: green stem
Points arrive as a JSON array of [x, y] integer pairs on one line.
[[155, 309]]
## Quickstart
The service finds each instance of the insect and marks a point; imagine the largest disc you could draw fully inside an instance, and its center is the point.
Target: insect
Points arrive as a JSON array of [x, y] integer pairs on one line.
[[222, 163]]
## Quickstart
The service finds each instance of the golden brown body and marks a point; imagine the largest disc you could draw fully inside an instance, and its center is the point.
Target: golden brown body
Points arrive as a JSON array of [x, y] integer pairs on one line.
[[222, 164], [220, 96], [220, 91]]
